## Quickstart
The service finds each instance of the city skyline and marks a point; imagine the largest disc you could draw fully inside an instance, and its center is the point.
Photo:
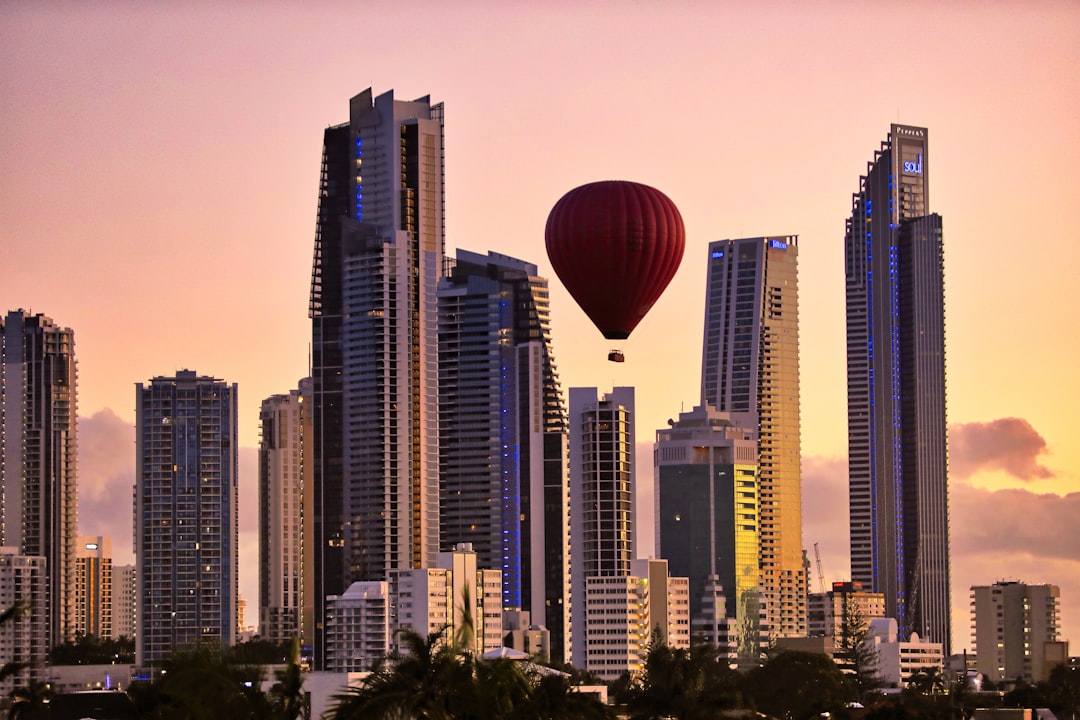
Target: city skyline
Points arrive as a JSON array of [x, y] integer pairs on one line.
[[153, 149]]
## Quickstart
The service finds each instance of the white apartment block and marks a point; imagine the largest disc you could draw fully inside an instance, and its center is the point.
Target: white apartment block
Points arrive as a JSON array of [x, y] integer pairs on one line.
[[433, 600], [622, 611], [23, 579], [1012, 622], [358, 627], [898, 659]]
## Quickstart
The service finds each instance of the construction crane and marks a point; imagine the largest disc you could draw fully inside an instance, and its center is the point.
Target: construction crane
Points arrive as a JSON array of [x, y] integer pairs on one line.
[[827, 602], [820, 572], [912, 605]]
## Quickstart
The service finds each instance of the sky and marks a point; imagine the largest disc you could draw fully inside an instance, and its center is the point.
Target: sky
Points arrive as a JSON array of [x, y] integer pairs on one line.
[[159, 174]]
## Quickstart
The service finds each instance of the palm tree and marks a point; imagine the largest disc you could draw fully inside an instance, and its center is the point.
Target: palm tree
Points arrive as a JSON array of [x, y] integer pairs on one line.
[[927, 681], [417, 684], [287, 694], [200, 682], [10, 615], [28, 698], [686, 684], [553, 697]]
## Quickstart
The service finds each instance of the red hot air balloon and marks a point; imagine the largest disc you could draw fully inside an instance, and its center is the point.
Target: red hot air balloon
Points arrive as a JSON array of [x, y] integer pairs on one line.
[[615, 245]]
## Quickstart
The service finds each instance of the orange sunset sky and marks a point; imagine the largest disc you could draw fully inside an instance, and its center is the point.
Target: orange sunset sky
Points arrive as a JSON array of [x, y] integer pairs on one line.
[[159, 174]]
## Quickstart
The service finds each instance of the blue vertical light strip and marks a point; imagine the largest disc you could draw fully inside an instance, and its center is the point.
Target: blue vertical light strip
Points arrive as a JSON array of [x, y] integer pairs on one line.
[[509, 469], [359, 212], [872, 393], [897, 449]]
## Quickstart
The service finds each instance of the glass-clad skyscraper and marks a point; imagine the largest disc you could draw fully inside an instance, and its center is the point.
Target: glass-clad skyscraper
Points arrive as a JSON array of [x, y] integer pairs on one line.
[[38, 455], [708, 494], [750, 369], [185, 513], [378, 258], [503, 433], [897, 454]]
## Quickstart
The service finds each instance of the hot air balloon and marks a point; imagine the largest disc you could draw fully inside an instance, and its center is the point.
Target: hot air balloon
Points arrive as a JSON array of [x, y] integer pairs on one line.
[[615, 245]]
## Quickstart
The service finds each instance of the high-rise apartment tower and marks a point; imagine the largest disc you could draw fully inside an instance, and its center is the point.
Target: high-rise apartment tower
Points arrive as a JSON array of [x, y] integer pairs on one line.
[[284, 476], [603, 497], [38, 455], [185, 513], [1012, 623], [94, 587], [502, 428], [378, 258], [750, 369], [897, 466]]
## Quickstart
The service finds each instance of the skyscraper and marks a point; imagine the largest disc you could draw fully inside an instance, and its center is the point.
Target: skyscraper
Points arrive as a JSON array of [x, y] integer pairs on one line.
[[378, 258], [503, 433], [185, 513], [603, 497], [750, 368], [284, 476], [707, 481], [898, 473], [38, 454]]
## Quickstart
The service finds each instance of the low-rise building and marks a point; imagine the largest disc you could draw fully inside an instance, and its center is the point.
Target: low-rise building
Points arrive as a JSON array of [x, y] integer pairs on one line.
[[357, 627], [623, 611], [899, 660]]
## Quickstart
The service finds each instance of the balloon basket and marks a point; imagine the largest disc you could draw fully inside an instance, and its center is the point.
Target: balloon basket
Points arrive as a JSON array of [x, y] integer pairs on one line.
[[616, 356]]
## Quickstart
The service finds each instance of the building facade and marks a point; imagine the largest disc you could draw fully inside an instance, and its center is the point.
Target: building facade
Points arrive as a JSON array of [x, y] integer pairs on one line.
[[284, 475], [94, 587], [38, 454], [897, 454], [750, 368], [457, 600], [24, 582], [827, 611], [185, 513], [625, 611], [378, 258], [707, 479], [125, 601], [1012, 623], [603, 497], [899, 660], [358, 627], [503, 442]]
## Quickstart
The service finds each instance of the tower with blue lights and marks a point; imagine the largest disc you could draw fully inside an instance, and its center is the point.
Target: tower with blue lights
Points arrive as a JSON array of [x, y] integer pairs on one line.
[[374, 342], [502, 428], [897, 445]]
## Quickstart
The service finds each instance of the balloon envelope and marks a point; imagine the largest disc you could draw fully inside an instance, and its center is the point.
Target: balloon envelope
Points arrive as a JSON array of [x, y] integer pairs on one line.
[[615, 245]]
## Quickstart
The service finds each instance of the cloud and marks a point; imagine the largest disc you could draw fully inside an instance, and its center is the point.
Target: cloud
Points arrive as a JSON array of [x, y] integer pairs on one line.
[[1009, 444], [1014, 534], [107, 480], [1013, 520], [1008, 534], [825, 517]]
